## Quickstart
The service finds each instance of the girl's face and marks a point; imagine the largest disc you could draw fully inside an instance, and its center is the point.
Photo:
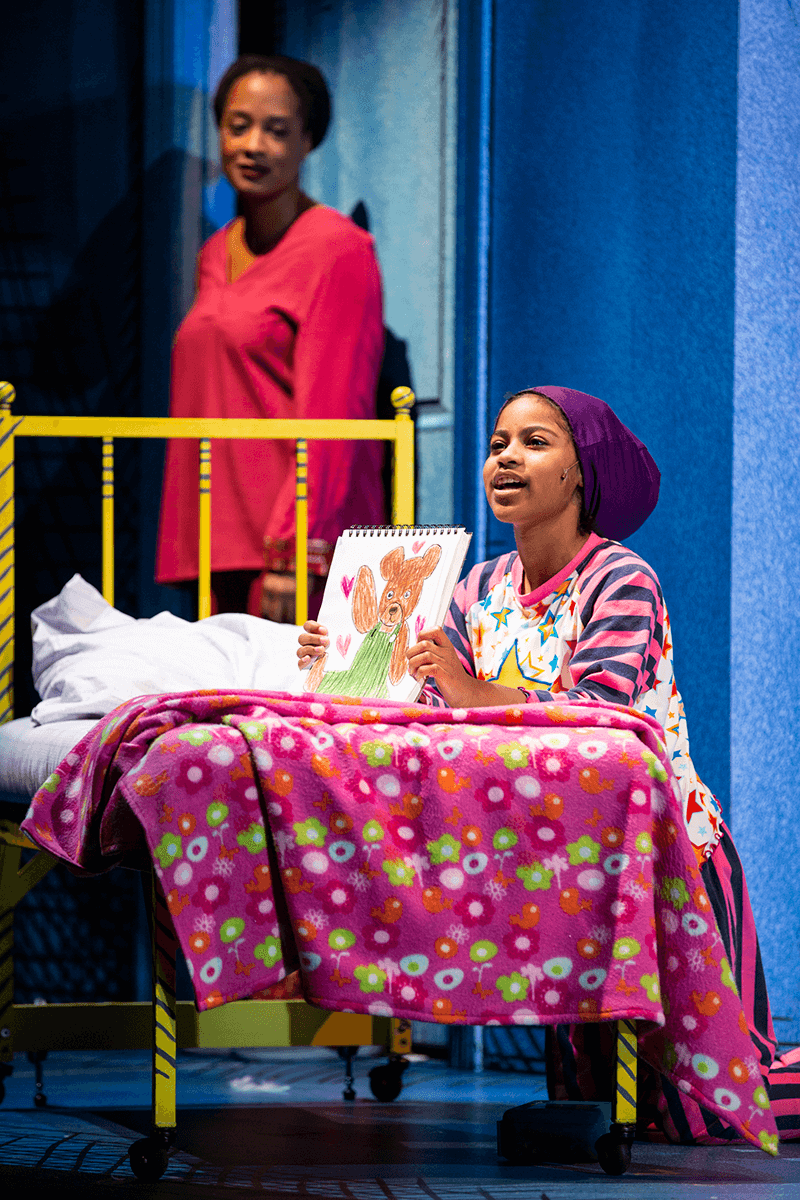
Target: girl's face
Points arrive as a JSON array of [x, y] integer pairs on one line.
[[532, 474], [261, 136]]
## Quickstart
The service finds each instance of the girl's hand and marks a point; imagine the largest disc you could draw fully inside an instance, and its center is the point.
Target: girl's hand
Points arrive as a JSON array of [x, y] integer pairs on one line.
[[313, 643], [434, 657]]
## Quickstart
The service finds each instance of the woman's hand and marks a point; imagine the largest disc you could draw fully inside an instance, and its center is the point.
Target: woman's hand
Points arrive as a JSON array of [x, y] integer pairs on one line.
[[277, 598], [313, 643]]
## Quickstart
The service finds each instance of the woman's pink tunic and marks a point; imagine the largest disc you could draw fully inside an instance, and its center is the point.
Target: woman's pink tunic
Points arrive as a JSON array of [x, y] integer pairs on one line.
[[298, 334]]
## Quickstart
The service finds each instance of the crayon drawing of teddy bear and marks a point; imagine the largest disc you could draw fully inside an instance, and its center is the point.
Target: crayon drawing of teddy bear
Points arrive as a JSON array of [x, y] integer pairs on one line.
[[381, 657]]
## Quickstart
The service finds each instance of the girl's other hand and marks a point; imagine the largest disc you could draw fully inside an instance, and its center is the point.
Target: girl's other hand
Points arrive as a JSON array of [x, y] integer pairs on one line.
[[434, 657], [313, 643]]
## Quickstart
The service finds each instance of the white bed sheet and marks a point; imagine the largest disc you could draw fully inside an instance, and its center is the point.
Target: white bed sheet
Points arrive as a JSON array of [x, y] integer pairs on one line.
[[89, 657], [29, 753]]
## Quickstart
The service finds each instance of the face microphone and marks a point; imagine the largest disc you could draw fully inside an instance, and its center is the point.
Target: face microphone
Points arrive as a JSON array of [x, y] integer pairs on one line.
[[565, 473]]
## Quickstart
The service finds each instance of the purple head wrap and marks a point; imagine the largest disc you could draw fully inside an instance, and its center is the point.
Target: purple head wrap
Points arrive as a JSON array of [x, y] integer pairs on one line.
[[620, 478]]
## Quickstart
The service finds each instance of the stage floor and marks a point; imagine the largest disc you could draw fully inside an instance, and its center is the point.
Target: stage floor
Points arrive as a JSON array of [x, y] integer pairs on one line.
[[273, 1123]]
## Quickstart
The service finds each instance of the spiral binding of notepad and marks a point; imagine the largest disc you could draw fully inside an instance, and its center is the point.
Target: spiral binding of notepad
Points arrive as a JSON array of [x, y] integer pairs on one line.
[[388, 530]]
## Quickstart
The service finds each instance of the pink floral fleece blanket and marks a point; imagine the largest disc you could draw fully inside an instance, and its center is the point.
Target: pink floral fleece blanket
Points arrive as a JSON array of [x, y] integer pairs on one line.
[[508, 865]]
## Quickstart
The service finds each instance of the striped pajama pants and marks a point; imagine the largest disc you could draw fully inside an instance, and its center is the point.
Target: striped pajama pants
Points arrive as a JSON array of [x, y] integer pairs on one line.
[[580, 1058]]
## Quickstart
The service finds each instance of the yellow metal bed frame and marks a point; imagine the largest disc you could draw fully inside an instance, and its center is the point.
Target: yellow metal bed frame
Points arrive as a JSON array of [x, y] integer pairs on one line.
[[166, 1025]]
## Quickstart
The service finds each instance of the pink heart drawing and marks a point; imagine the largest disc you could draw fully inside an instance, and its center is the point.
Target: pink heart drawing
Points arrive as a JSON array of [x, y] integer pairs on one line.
[[417, 546], [419, 625], [343, 643], [347, 585]]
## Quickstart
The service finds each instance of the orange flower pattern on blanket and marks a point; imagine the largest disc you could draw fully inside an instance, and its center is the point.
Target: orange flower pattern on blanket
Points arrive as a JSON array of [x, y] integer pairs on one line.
[[487, 866]]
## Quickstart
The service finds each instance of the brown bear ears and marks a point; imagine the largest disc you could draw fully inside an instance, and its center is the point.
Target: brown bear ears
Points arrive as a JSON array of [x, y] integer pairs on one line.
[[431, 560], [393, 562]]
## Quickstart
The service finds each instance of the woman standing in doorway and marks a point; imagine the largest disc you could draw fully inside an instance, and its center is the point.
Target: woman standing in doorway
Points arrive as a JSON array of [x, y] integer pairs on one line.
[[287, 322]]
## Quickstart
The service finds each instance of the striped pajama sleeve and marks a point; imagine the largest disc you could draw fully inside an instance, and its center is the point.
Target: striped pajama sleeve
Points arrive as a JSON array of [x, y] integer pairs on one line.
[[622, 619]]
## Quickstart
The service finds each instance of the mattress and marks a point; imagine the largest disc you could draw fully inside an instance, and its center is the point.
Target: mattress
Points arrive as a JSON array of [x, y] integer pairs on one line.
[[29, 753]]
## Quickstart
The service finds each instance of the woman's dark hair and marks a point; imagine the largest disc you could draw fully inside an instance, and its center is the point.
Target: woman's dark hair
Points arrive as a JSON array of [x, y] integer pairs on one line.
[[305, 81], [585, 523]]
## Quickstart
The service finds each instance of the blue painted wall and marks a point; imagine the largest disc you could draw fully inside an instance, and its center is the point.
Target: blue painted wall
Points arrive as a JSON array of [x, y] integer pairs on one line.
[[765, 590], [619, 262], [612, 270]]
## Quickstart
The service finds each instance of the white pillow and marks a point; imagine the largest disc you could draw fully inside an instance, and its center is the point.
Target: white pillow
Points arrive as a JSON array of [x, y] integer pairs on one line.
[[88, 657]]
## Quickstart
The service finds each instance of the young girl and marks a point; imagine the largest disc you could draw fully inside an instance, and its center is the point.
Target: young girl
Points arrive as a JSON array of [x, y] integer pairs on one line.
[[572, 614]]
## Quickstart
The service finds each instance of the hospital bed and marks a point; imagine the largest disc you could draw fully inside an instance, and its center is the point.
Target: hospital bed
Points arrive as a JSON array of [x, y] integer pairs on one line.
[[165, 1025]]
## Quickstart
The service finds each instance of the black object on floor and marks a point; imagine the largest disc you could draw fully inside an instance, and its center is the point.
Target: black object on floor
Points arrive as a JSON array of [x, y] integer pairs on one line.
[[555, 1131]]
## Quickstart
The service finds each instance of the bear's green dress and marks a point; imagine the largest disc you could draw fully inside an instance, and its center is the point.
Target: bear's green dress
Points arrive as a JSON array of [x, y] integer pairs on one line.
[[368, 674]]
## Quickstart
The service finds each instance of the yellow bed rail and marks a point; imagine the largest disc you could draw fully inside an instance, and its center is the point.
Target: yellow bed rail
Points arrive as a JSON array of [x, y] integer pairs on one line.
[[400, 431]]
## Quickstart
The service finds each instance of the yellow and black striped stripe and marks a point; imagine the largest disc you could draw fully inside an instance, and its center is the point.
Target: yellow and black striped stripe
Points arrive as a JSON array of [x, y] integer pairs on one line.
[[625, 1089], [164, 1029]]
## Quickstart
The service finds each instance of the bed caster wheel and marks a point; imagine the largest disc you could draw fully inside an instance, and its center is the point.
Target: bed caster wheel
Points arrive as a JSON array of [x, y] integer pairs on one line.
[[2, 1091], [148, 1158], [386, 1081], [40, 1100], [613, 1156]]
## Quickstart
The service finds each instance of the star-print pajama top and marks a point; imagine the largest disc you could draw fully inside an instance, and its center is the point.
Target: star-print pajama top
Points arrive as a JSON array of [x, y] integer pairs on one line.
[[598, 630]]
